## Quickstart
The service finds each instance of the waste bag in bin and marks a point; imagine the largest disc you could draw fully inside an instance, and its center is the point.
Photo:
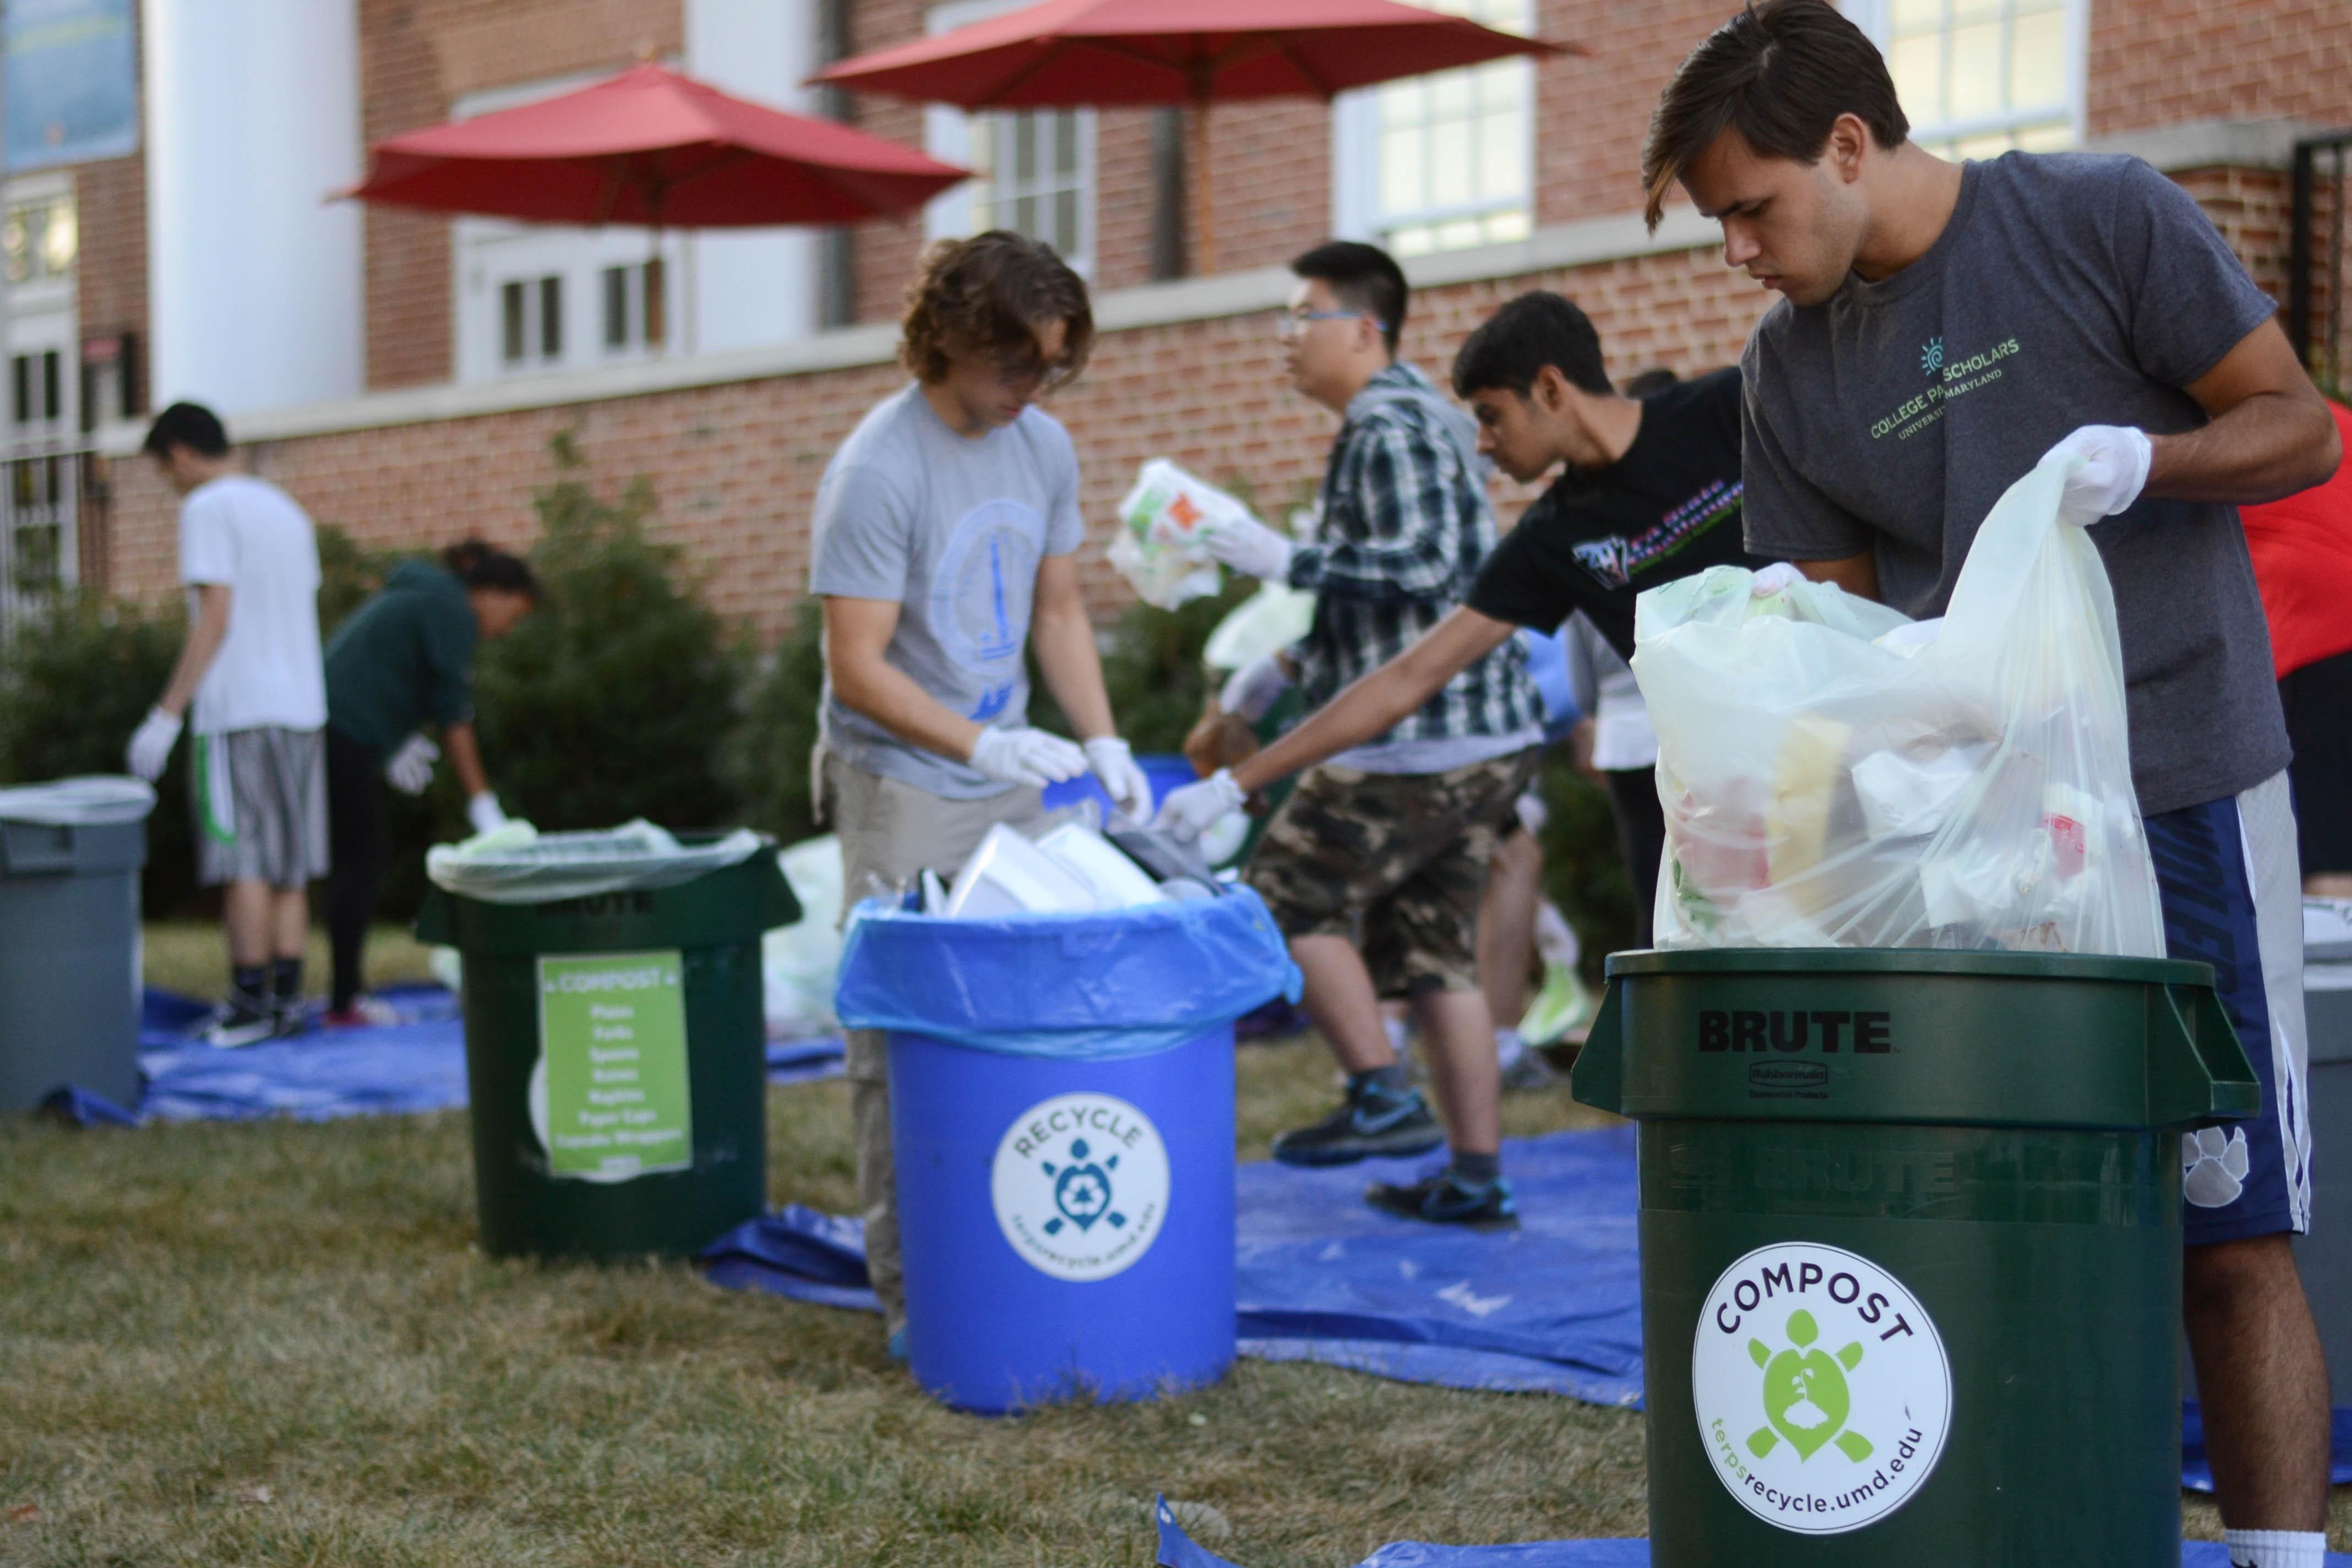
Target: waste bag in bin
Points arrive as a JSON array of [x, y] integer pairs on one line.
[[1062, 1111], [1910, 1230], [71, 854], [615, 1037]]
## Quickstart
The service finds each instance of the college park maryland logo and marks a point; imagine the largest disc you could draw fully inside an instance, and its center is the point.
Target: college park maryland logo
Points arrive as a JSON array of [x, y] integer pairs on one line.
[[1822, 1392], [1080, 1184]]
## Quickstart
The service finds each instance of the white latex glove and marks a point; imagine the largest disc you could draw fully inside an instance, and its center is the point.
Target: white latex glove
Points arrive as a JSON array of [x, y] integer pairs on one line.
[[1024, 756], [1114, 765], [1253, 688], [483, 812], [1251, 548], [151, 743], [1777, 578], [2110, 467], [411, 769], [1191, 811]]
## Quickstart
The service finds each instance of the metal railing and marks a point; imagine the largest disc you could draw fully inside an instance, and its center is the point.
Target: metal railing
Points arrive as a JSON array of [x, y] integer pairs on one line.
[[41, 544], [2315, 280]]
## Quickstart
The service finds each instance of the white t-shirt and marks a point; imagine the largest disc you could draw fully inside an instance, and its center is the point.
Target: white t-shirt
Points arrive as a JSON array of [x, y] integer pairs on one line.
[[248, 535]]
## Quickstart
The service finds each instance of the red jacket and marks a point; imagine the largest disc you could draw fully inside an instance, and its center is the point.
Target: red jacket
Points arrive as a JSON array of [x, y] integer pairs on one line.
[[2302, 548]]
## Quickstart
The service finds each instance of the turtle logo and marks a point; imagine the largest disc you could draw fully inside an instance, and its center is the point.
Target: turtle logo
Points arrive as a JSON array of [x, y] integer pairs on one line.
[[1806, 1400], [1082, 1192]]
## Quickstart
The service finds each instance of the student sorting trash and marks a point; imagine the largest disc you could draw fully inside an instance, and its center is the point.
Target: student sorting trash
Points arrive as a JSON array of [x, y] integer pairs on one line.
[[250, 685], [1394, 837], [944, 551], [1942, 329], [404, 659]]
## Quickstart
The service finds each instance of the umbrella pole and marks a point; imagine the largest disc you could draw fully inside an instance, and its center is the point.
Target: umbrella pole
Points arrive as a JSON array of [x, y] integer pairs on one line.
[[1204, 219]]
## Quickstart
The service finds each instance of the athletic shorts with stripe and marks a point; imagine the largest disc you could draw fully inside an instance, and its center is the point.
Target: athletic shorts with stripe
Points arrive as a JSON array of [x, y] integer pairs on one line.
[[260, 801], [2233, 897]]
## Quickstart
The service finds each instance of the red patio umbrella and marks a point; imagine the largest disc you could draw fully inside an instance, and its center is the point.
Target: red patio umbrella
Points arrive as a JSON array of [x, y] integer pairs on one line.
[[1133, 53], [651, 147]]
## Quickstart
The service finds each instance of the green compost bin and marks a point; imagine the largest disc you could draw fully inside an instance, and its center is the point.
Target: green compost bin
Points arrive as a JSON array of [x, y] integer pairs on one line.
[[1910, 1230], [615, 1060]]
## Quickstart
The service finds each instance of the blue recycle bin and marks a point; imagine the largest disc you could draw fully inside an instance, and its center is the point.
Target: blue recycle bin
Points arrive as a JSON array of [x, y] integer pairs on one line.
[[1062, 1107]]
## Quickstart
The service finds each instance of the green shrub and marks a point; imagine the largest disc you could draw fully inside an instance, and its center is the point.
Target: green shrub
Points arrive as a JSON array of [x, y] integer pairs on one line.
[[613, 701], [76, 678], [768, 759]]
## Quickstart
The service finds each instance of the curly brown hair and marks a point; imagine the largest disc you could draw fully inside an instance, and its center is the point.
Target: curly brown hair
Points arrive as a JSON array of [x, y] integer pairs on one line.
[[987, 295]]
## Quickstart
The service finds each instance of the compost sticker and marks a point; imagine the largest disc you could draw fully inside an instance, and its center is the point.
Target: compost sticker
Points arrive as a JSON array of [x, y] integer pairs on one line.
[[1080, 1185], [611, 1038], [1822, 1391]]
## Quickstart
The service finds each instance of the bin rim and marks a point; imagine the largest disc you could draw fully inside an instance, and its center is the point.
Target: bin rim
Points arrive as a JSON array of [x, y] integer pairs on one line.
[[1909, 961]]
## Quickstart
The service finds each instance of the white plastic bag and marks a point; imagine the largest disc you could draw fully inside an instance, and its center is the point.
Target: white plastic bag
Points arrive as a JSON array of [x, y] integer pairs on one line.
[[1836, 776], [519, 865], [1166, 519], [799, 962]]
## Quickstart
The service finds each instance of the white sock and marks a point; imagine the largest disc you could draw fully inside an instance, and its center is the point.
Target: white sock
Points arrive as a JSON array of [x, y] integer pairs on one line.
[[1508, 1049], [2275, 1548], [1400, 1033]]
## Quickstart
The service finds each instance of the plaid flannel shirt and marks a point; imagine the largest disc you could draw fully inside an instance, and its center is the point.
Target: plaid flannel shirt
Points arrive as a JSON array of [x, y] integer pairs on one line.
[[1405, 527]]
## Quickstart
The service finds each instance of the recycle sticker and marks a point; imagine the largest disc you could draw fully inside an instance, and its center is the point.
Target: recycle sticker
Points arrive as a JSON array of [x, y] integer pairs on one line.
[[1080, 1185], [1822, 1391]]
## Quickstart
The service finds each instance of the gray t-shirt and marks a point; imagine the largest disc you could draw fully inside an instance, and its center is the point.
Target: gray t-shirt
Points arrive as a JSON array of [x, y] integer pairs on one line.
[[2068, 289], [953, 530]]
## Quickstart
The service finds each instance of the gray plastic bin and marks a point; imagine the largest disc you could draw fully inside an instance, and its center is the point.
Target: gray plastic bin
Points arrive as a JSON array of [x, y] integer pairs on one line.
[[71, 854]]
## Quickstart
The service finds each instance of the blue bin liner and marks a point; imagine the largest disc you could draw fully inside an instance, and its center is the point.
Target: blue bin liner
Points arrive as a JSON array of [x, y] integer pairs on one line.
[[1077, 987]]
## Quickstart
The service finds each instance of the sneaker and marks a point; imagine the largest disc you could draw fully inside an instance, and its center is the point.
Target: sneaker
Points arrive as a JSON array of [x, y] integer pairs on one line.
[[365, 1013], [241, 1021], [1375, 1121], [1529, 1072], [1444, 1198]]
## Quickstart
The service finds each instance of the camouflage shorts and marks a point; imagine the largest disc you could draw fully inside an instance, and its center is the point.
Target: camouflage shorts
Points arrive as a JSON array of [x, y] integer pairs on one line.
[[1396, 862]]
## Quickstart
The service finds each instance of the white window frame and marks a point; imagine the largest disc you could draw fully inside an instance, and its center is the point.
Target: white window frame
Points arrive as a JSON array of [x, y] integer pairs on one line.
[[1875, 17], [1356, 162], [946, 135], [488, 253]]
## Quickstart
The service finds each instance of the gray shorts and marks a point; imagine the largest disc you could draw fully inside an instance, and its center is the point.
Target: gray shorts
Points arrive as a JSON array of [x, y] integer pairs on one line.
[[260, 799]]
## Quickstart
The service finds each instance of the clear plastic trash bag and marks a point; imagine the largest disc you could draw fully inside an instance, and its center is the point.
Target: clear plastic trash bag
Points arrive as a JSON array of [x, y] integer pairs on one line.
[[517, 864], [1836, 776]]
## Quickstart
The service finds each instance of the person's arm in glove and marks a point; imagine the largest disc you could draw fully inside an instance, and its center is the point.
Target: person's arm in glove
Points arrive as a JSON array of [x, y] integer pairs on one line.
[[1250, 548], [149, 749], [465, 761], [2268, 434], [410, 770], [1064, 637]]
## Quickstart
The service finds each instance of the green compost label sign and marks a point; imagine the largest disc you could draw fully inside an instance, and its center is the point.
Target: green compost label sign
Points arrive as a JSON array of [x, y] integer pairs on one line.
[[1822, 1391], [611, 1039]]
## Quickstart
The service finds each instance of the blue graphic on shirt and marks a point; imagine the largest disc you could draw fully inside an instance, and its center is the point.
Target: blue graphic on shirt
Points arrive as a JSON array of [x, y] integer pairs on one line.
[[980, 595]]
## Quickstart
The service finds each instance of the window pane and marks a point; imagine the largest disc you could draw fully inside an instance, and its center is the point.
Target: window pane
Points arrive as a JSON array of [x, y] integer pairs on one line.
[[617, 307], [656, 274], [1904, 16], [1964, 11], [1023, 173], [1025, 214], [1401, 179], [511, 313], [23, 365], [1411, 242], [983, 144], [1504, 228], [2047, 138], [551, 318], [1449, 158], [1975, 70], [1065, 238], [1449, 95], [1402, 104], [1502, 158], [53, 390], [1918, 68], [1991, 145], [2037, 60], [62, 242], [1066, 146], [1454, 236]]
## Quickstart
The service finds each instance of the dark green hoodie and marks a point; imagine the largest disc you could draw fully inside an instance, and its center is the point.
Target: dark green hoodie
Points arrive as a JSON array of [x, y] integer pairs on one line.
[[404, 659]]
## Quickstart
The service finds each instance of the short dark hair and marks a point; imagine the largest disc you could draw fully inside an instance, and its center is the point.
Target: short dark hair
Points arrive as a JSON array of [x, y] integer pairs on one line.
[[1650, 382], [1366, 278], [480, 565], [189, 425], [1780, 73], [1535, 330], [986, 295]]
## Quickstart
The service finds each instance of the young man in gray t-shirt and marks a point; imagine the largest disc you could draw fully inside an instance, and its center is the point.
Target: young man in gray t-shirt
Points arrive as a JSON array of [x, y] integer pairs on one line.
[[1942, 326], [945, 548]]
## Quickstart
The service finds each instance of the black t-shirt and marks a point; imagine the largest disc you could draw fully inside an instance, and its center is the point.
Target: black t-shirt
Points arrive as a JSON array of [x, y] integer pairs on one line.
[[1668, 508]]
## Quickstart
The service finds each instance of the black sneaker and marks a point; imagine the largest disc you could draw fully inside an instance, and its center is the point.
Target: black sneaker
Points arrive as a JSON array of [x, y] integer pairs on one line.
[[1373, 1122], [1445, 1198], [242, 1020]]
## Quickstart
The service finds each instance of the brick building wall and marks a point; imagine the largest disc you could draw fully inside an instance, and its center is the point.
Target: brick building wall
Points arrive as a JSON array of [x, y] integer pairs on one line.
[[2171, 62], [110, 280]]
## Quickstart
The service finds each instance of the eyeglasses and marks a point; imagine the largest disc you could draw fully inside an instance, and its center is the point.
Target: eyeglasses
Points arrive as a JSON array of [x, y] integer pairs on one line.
[[1288, 324]]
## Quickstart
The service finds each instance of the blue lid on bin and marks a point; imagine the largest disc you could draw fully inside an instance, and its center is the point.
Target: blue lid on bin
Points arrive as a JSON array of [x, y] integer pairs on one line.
[[1123, 984]]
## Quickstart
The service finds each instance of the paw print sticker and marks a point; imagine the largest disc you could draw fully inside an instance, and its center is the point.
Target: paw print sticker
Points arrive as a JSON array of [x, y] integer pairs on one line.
[[2213, 1165]]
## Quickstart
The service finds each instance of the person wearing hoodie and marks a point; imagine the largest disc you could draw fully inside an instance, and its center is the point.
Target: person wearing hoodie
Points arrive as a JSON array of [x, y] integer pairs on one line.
[[402, 660], [1375, 866]]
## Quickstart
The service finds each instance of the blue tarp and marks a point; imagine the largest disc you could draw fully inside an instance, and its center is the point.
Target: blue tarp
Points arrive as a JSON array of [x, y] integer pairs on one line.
[[415, 1065], [1177, 1551], [1120, 984], [1553, 1308]]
